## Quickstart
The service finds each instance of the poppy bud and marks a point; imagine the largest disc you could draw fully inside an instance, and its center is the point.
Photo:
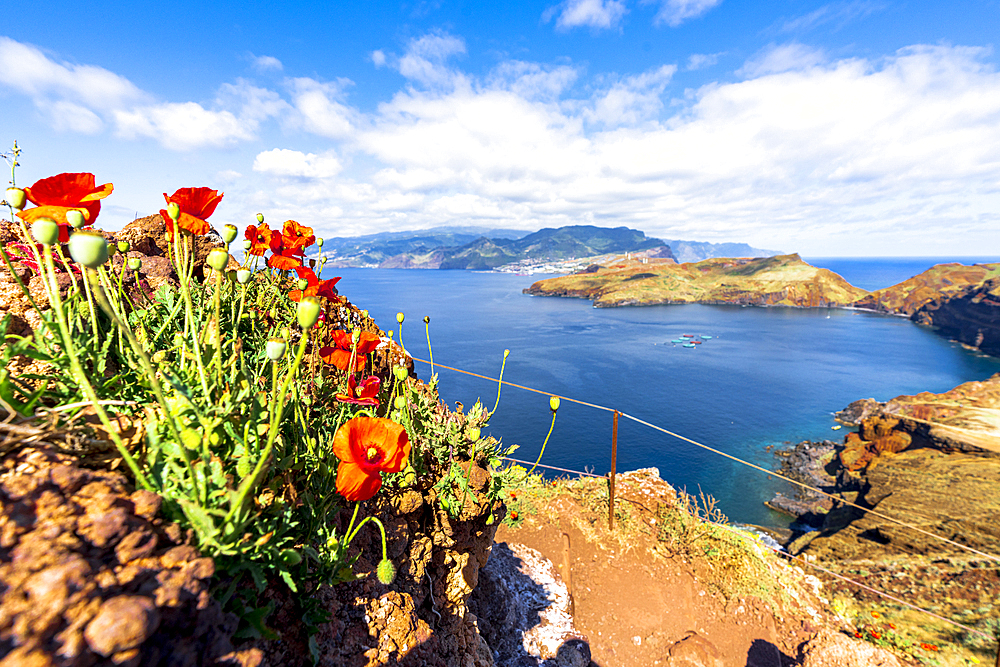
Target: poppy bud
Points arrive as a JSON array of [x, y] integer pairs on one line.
[[474, 434], [553, 403], [123, 246], [401, 373], [260, 218], [400, 402], [75, 218], [229, 233], [427, 319], [112, 249], [399, 317], [45, 230], [364, 314], [356, 336], [386, 571], [88, 248], [319, 243], [389, 333], [247, 244], [506, 353], [333, 543], [174, 211], [134, 263], [302, 283], [290, 556], [275, 348], [308, 311], [218, 259], [15, 197], [243, 276]]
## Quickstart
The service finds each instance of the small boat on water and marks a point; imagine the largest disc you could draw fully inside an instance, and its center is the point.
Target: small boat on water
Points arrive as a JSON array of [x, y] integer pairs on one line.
[[697, 342], [678, 340], [687, 335], [689, 345], [706, 338]]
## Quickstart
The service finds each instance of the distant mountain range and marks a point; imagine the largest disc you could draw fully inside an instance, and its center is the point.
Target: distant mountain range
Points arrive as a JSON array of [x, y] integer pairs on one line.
[[483, 248]]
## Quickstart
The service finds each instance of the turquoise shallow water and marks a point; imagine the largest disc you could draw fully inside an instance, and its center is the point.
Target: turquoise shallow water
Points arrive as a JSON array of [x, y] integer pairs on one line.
[[767, 376]]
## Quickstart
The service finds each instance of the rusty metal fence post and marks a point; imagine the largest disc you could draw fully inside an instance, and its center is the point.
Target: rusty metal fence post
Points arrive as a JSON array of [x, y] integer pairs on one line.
[[611, 475]]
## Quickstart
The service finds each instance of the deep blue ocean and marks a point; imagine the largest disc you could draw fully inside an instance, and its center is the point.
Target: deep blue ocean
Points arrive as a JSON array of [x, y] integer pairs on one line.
[[767, 375]]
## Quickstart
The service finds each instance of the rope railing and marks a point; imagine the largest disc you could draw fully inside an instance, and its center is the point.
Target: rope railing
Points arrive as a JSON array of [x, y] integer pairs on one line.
[[736, 459]]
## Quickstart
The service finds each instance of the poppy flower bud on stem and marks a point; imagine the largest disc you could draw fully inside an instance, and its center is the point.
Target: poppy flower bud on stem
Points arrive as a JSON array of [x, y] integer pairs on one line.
[[229, 233], [386, 571], [247, 244], [275, 348], [218, 259], [174, 211], [123, 246], [260, 218], [399, 317], [302, 284], [243, 276], [134, 263], [16, 198], [88, 248], [308, 311], [45, 231], [75, 218], [319, 243], [553, 403]]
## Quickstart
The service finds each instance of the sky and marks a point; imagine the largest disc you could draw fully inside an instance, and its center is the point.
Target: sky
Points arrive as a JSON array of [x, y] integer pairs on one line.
[[850, 128]]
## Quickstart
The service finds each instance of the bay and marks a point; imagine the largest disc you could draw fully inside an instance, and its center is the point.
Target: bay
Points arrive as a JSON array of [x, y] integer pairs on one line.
[[767, 375]]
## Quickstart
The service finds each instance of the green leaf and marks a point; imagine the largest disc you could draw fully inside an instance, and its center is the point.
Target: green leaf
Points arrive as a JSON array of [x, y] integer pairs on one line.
[[200, 520], [287, 578]]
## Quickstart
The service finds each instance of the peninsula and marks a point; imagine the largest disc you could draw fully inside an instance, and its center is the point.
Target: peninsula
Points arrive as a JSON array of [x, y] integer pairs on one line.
[[783, 280]]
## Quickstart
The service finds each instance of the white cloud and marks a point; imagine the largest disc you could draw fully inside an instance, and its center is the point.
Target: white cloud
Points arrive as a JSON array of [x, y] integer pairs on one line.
[[676, 12], [426, 59], [596, 14], [267, 64], [186, 126], [783, 58], [378, 58], [85, 99], [284, 162], [853, 152], [632, 100], [319, 107], [698, 61]]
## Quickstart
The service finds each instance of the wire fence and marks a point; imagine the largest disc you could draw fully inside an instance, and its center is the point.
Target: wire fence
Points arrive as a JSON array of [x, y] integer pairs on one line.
[[612, 473]]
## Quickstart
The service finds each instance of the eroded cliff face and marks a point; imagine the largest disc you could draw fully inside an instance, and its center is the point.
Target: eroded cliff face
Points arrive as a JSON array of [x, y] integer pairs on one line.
[[971, 316], [937, 284], [784, 280]]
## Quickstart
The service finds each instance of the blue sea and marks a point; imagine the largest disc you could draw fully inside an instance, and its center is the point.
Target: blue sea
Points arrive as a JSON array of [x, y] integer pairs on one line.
[[767, 376]]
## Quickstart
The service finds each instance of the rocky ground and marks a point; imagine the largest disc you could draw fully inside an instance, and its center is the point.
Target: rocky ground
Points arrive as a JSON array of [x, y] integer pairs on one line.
[[930, 461]]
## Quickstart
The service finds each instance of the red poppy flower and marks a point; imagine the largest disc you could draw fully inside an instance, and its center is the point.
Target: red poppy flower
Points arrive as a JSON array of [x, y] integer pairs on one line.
[[364, 394], [340, 354], [196, 204], [55, 195], [367, 447], [260, 237], [928, 647], [282, 257], [294, 235], [876, 635], [316, 287]]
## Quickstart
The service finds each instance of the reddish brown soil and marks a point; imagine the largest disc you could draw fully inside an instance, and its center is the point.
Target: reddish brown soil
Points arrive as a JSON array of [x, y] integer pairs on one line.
[[634, 603]]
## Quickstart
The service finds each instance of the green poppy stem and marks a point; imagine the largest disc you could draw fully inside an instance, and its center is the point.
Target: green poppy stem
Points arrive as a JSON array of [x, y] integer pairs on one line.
[[500, 381], [430, 352], [551, 426], [218, 327], [77, 370], [251, 482]]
